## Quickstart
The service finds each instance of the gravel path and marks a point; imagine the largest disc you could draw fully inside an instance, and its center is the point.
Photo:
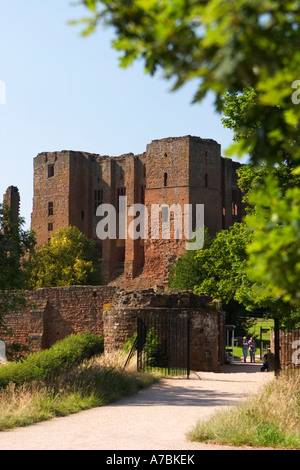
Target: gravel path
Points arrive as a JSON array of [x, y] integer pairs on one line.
[[156, 418]]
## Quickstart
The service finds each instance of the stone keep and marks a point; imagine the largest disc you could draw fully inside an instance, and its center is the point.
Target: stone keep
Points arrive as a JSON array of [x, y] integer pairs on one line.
[[70, 185]]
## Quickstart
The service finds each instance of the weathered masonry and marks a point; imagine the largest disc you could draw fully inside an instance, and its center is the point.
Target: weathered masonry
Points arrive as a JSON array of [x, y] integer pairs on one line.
[[59, 312], [54, 313], [11, 199], [70, 185], [207, 336]]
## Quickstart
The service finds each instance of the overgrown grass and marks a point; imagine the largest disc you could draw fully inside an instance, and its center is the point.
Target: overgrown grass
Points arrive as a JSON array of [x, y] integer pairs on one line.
[[63, 354], [269, 419], [94, 382]]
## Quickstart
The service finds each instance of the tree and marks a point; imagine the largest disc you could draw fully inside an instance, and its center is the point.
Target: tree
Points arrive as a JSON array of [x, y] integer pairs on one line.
[[224, 46], [15, 246], [274, 254], [68, 259], [231, 46], [272, 195], [218, 270], [187, 271], [238, 113], [221, 270]]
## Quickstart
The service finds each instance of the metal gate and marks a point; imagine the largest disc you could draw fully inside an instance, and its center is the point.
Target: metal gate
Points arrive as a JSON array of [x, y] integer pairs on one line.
[[163, 343]]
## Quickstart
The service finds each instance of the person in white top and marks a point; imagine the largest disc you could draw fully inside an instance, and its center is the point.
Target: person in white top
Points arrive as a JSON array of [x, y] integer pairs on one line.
[[245, 348]]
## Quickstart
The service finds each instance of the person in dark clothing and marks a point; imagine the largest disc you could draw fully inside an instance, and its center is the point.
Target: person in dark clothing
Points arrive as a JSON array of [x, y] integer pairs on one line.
[[252, 349], [265, 365]]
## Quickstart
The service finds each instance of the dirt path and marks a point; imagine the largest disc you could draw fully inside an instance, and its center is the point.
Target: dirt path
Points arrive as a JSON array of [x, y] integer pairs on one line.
[[157, 418]]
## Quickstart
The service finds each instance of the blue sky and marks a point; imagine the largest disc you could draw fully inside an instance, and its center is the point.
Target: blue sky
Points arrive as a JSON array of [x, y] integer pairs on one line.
[[65, 92]]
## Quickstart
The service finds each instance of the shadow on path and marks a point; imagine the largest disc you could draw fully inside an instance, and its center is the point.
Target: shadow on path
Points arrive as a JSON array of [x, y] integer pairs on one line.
[[239, 366], [164, 395], [202, 389]]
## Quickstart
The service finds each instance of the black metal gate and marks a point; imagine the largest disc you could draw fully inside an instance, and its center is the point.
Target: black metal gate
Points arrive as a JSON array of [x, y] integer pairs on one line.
[[163, 343]]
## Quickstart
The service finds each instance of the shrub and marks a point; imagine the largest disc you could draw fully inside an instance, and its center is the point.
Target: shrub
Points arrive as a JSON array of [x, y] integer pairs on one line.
[[155, 356], [69, 351]]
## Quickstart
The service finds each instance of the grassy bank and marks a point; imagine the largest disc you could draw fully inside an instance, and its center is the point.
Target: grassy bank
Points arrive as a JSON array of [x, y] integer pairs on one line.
[[92, 382], [44, 364], [269, 419]]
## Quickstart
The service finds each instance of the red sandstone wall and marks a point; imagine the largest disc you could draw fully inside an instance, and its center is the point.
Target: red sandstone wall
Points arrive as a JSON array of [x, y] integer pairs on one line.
[[181, 170], [50, 189], [207, 322], [56, 313], [167, 182], [59, 312], [205, 186]]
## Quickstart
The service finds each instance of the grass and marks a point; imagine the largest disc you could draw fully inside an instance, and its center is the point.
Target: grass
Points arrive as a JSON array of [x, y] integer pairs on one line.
[[269, 419], [94, 382], [65, 353], [255, 329]]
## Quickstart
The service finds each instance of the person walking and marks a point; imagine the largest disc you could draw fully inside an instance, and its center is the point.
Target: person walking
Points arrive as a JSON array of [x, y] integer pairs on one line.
[[252, 349], [245, 348]]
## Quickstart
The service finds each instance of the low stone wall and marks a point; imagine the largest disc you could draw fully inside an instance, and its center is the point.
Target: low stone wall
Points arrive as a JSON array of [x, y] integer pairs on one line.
[[55, 313]]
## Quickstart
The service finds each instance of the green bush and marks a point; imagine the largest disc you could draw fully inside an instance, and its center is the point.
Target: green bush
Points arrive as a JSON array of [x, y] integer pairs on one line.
[[69, 351], [155, 356]]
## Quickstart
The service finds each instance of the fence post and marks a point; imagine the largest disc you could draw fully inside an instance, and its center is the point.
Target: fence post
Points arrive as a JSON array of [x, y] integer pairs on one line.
[[188, 358], [276, 346]]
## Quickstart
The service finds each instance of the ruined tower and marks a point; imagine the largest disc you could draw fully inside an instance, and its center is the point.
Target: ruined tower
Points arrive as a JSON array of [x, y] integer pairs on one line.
[[11, 199], [70, 185]]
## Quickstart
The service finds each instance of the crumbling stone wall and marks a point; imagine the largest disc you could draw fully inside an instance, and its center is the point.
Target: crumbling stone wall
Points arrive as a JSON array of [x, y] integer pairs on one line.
[[58, 312], [12, 199], [207, 322], [54, 313]]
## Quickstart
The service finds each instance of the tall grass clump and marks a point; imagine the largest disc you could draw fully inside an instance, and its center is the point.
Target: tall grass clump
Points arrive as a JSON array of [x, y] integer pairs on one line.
[[92, 382], [271, 418], [63, 354]]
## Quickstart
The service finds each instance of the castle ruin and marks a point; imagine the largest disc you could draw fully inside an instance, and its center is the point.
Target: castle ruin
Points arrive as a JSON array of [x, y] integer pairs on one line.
[[70, 185]]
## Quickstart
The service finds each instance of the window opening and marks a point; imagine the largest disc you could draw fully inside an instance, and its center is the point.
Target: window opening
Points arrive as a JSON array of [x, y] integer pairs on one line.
[[98, 198], [142, 194], [50, 171], [206, 180], [50, 208]]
